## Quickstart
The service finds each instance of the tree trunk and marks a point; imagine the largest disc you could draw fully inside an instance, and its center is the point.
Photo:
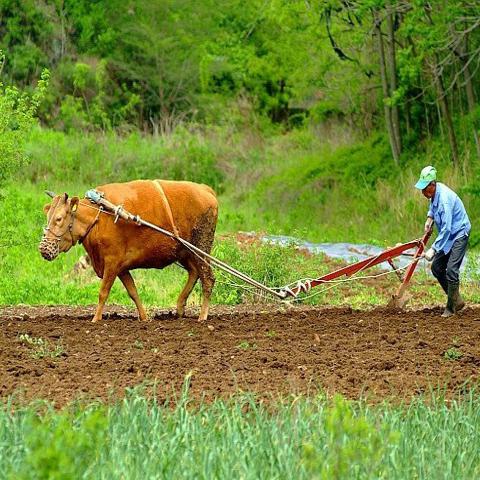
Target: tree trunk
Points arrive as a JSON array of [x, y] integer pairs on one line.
[[383, 74], [392, 66], [470, 92], [442, 100]]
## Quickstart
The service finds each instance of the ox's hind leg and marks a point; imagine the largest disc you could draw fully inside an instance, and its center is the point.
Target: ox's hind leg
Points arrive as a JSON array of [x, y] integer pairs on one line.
[[129, 284], [187, 289], [202, 237], [208, 281]]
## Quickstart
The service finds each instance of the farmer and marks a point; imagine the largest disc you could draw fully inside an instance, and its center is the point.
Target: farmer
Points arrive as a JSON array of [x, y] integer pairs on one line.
[[447, 252]]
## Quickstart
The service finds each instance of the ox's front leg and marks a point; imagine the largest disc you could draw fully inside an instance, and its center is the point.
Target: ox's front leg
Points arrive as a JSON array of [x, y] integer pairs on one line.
[[105, 287], [129, 284]]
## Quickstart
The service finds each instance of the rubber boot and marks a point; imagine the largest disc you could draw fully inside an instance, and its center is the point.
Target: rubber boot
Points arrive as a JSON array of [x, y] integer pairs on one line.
[[458, 302], [450, 308]]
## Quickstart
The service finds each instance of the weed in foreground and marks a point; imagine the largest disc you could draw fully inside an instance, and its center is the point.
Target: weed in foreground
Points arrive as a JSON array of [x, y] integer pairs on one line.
[[453, 354], [41, 348], [244, 345]]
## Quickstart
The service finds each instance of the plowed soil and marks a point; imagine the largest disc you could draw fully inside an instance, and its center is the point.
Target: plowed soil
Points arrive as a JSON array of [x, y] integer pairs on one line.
[[375, 354]]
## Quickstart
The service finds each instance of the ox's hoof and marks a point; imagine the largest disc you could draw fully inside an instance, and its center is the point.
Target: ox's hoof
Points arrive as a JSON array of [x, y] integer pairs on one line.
[[95, 320]]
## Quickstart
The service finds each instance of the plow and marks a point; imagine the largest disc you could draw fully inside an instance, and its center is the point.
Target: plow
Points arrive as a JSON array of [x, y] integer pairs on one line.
[[413, 249]]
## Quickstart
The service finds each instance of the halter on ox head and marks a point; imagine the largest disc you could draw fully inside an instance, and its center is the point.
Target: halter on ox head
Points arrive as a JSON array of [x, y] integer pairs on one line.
[[57, 235]]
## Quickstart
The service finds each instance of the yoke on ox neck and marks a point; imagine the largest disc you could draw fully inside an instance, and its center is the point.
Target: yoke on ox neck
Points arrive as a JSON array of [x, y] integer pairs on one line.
[[94, 196]]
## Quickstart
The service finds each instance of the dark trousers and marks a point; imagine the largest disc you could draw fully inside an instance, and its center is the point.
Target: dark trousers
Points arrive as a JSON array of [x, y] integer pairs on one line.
[[446, 267]]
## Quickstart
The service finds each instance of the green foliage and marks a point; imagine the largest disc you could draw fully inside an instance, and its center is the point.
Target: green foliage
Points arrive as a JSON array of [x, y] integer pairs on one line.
[[301, 438], [17, 116], [153, 65], [63, 445], [92, 160], [453, 354], [41, 348], [245, 345], [354, 447]]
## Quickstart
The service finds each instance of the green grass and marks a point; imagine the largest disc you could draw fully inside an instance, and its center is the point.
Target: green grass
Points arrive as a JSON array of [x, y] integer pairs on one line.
[[299, 438], [305, 183]]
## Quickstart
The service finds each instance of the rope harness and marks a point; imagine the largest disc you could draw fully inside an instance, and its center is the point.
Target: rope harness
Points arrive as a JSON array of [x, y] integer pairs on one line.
[[168, 209]]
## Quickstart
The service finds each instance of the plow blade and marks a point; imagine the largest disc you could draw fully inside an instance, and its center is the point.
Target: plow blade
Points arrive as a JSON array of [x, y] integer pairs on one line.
[[401, 297], [399, 300]]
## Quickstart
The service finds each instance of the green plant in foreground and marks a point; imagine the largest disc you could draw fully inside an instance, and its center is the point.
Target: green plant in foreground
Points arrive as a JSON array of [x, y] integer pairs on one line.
[[41, 348], [353, 447], [244, 345], [453, 354], [300, 438], [63, 445]]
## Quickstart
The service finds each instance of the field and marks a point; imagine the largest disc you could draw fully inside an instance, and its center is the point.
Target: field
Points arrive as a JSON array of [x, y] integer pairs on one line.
[[374, 354]]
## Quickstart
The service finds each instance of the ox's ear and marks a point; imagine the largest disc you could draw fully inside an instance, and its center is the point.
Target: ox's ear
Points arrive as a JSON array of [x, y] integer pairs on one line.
[[65, 197], [46, 208], [74, 204]]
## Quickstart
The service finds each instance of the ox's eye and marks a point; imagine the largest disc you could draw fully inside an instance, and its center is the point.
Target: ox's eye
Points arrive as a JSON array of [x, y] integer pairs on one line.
[[58, 219]]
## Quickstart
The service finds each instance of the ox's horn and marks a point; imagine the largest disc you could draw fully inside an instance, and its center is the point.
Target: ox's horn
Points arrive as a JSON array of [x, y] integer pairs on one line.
[[49, 193]]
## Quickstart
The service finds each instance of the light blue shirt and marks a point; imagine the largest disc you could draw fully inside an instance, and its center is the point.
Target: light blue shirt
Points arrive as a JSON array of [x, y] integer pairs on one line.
[[450, 218]]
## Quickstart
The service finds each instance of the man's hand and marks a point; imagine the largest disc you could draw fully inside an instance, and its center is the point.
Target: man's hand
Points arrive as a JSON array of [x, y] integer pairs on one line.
[[428, 224], [429, 254]]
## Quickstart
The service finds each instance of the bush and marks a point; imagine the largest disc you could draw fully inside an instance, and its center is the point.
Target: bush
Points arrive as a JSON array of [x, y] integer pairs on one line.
[[17, 116], [350, 447]]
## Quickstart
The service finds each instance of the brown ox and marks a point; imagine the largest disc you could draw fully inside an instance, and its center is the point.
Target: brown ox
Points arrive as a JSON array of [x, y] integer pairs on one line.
[[190, 209]]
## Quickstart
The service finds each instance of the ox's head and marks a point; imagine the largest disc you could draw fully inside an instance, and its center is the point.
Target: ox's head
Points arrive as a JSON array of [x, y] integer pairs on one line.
[[58, 234]]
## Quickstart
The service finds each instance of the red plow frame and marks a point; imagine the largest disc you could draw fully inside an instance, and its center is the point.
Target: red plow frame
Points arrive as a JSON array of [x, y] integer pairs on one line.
[[399, 299]]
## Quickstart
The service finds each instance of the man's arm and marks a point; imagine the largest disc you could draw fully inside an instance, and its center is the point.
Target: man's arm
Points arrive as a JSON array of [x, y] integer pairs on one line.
[[428, 223]]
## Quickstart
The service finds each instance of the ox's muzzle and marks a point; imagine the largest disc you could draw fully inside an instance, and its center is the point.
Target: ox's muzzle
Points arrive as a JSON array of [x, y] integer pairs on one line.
[[49, 249]]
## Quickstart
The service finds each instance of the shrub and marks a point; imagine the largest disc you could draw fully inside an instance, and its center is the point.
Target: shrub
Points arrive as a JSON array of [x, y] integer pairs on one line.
[[17, 114]]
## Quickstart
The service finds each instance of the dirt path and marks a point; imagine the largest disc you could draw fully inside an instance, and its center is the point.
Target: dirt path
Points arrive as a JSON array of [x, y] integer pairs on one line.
[[375, 353]]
